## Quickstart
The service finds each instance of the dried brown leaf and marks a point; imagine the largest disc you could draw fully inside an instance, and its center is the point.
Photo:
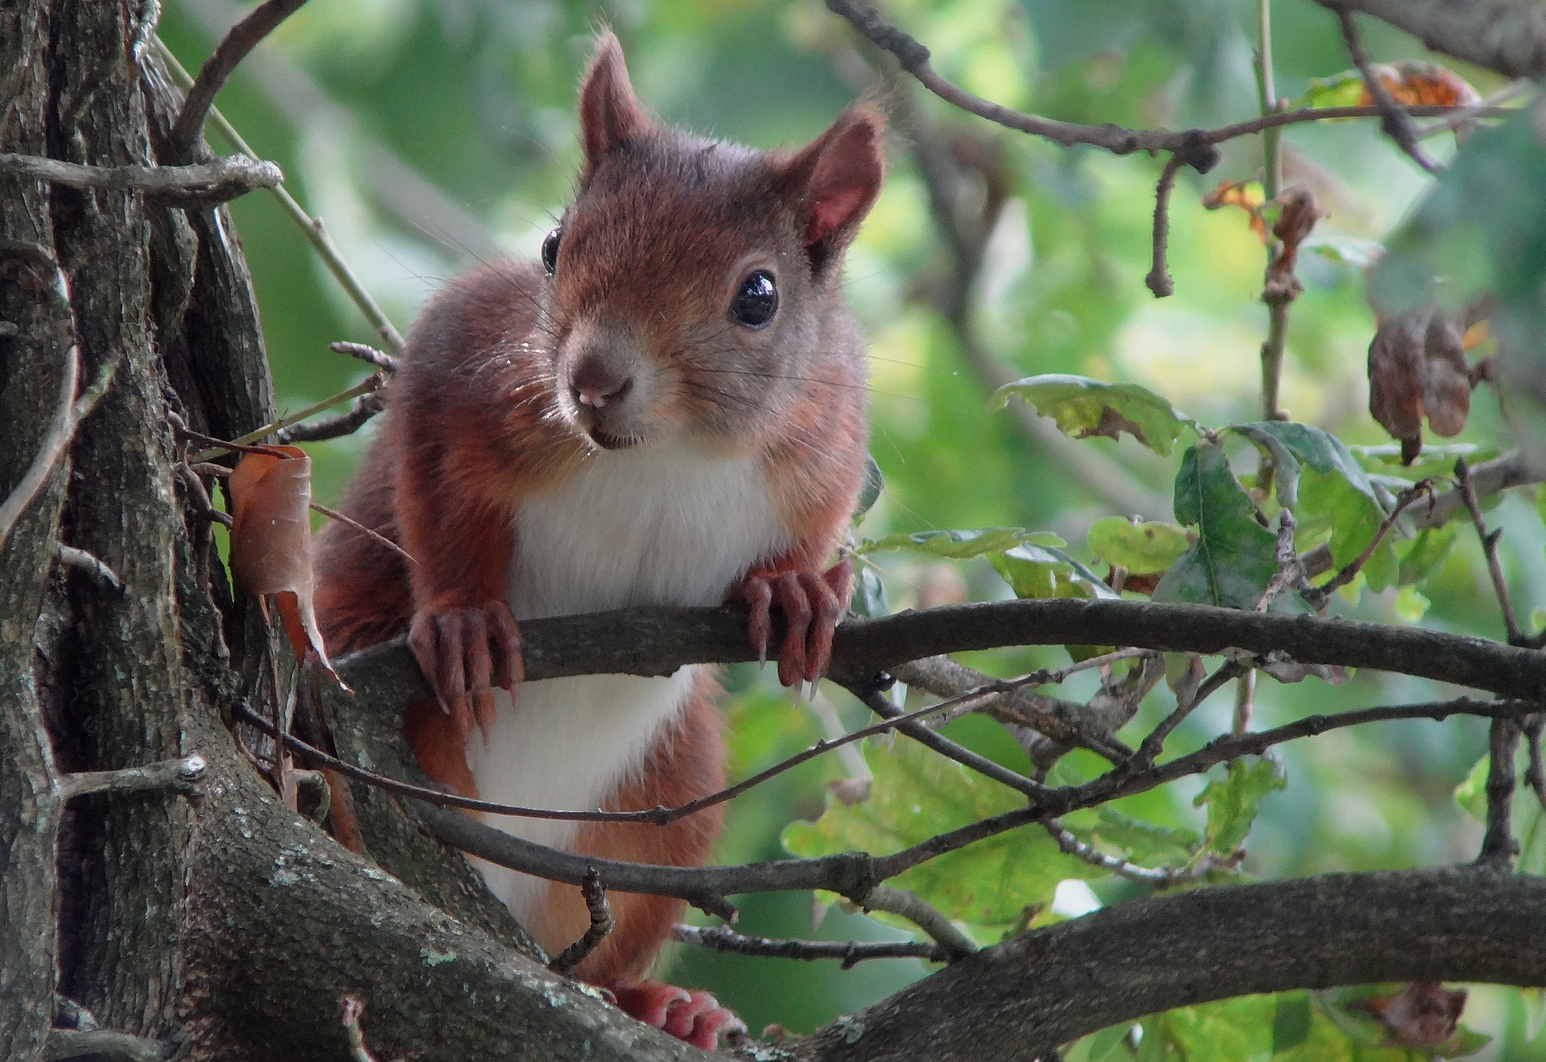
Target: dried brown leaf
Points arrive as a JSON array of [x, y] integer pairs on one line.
[[271, 542], [1298, 212], [1423, 1015], [1420, 84], [1247, 195], [1417, 369]]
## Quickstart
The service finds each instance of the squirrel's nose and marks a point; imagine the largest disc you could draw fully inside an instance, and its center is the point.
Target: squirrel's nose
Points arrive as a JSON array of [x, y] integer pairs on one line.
[[595, 383]]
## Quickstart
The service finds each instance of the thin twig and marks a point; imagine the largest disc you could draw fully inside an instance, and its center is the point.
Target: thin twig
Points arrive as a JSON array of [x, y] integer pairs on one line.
[[1490, 548], [376, 536], [340, 424], [105, 1043], [1498, 844], [372, 383], [724, 939], [601, 923], [205, 184], [1509, 469], [1394, 121], [1194, 146], [855, 874], [380, 359], [1159, 280], [240, 40], [90, 563], [907, 905], [67, 418], [164, 774], [316, 235], [1535, 774], [1421, 489], [1151, 745]]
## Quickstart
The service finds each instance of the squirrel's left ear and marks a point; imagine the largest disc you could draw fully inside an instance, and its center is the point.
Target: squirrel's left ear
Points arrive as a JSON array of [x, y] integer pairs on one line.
[[609, 111], [834, 181]]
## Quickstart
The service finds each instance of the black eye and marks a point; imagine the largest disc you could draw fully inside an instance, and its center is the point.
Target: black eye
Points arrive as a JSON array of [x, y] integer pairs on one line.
[[756, 302], [550, 249]]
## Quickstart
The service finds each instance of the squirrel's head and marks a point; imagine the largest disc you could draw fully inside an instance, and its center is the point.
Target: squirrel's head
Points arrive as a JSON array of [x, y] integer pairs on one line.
[[693, 286]]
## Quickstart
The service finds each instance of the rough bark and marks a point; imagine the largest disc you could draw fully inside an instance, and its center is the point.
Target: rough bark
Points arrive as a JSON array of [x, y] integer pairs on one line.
[[222, 919], [1022, 999]]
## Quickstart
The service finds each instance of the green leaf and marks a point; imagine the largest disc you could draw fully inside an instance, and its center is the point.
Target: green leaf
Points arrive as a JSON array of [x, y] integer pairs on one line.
[[1471, 794], [1355, 519], [1464, 1042], [1423, 553], [1234, 557], [1290, 1022], [1144, 842], [1318, 449], [1285, 465], [1105, 1041], [917, 794], [1084, 407], [1232, 800], [1343, 90], [1039, 572], [1142, 548], [869, 490], [869, 593], [1350, 251], [960, 545]]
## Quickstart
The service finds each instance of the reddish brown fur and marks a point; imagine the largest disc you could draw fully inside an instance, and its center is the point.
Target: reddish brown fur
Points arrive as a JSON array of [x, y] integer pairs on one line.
[[662, 229]]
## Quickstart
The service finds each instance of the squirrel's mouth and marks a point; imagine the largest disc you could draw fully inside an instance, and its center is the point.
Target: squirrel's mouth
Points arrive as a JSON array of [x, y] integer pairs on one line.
[[613, 442]]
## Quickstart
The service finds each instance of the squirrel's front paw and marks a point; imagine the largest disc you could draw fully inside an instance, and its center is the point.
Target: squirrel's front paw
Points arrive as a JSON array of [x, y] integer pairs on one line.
[[465, 651], [812, 603], [695, 1017]]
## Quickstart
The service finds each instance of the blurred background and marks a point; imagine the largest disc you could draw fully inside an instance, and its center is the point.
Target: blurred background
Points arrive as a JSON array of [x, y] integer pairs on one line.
[[432, 134]]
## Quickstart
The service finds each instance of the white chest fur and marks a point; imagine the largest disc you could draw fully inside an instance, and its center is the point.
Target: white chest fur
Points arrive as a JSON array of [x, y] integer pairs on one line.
[[648, 527]]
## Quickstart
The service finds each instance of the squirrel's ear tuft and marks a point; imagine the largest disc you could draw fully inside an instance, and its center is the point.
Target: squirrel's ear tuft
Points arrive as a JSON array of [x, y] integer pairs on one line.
[[609, 112], [835, 179]]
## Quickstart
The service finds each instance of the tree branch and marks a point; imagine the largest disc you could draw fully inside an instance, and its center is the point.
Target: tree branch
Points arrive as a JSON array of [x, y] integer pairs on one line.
[[241, 39], [1023, 999], [1508, 36], [658, 641], [203, 185]]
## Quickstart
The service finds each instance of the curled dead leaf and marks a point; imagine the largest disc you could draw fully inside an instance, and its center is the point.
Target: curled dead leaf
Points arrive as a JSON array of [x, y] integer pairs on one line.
[[1417, 369], [1423, 1015], [1247, 195], [271, 542], [1297, 214], [1419, 84]]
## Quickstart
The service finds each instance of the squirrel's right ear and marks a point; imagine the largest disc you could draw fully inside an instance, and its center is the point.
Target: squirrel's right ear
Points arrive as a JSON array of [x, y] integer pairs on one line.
[[835, 180], [609, 111]]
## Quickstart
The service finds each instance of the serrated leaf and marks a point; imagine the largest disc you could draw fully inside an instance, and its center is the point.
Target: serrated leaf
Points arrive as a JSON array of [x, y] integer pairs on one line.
[[1083, 407], [1290, 1022], [1144, 842], [1142, 548], [917, 794], [1234, 557], [960, 545], [1285, 465], [1232, 801]]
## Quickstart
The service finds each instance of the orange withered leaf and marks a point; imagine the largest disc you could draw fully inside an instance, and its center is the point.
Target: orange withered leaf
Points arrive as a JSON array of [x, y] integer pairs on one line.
[[1247, 195], [271, 542], [1419, 84], [1297, 214]]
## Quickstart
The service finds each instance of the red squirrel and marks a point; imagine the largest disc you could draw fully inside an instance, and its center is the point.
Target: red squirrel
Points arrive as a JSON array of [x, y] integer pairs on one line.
[[667, 410]]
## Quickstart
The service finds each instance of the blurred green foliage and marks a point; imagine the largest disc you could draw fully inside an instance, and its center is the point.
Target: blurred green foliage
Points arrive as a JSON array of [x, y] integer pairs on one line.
[[429, 135]]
